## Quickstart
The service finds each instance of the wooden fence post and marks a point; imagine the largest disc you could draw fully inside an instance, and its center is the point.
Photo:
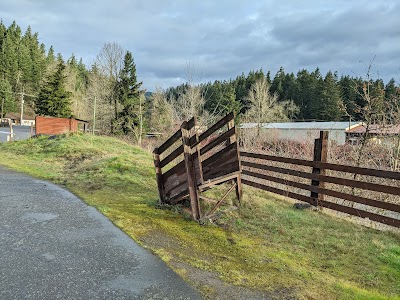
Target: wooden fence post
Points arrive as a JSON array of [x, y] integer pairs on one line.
[[156, 156], [191, 172], [320, 155], [31, 130], [198, 151], [11, 132], [238, 179]]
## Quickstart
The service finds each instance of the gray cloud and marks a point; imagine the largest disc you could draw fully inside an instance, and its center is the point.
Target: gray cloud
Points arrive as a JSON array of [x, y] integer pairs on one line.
[[220, 39]]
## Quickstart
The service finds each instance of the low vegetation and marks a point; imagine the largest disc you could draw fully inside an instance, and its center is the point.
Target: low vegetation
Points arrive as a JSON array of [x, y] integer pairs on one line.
[[265, 249]]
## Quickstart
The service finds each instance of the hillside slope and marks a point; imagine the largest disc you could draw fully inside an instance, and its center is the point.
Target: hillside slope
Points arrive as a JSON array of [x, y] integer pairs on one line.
[[267, 249]]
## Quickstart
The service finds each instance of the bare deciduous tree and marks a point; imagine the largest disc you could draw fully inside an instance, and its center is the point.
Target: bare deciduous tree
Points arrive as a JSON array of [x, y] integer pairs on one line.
[[109, 62], [161, 113], [265, 106], [98, 96]]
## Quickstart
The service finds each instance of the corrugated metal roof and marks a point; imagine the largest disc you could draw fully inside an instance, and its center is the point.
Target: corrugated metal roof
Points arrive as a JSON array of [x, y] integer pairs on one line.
[[303, 125]]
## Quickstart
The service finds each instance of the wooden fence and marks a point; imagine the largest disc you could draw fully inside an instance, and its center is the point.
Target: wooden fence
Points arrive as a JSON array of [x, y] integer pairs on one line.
[[258, 171], [189, 163]]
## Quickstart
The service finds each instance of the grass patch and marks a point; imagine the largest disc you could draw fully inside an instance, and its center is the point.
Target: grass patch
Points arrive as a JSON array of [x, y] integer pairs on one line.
[[267, 245]]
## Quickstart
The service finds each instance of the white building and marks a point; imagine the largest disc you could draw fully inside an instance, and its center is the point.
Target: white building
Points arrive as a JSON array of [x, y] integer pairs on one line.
[[302, 131]]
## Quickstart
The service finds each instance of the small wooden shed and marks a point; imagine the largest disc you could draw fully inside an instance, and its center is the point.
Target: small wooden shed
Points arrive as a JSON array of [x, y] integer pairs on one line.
[[53, 125]]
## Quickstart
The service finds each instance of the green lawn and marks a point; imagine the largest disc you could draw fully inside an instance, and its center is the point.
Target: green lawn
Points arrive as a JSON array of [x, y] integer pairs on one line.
[[266, 246]]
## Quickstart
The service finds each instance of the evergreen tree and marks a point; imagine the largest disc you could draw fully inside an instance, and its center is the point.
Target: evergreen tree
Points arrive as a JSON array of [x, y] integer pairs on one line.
[[6, 97], [277, 86], [50, 55], [228, 99], [328, 108], [53, 99], [129, 94], [392, 101]]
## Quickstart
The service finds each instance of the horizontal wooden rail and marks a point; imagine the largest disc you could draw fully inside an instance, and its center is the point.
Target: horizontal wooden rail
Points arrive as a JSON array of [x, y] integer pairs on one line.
[[301, 162], [173, 170], [279, 191], [360, 184], [179, 197], [174, 154], [326, 204], [323, 165], [336, 194], [359, 170], [216, 126], [168, 143], [218, 155], [278, 170], [222, 138], [323, 178]]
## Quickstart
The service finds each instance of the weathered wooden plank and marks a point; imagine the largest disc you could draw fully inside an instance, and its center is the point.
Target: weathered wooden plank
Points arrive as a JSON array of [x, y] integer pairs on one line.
[[168, 143], [191, 123], [277, 170], [159, 176], [222, 153], [361, 213], [174, 181], [222, 138], [361, 200], [228, 157], [326, 204], [281, 181], [175, 169], [218, 180], [193, 141], [279, 191], [174, 154], [233, 139], [324, 165], [177, 189], [191, 174], [320, 190], [340, 181], [320, 155], [223, 166], [207, 199], [360, 184], [179, 197], [216, 126], [301, 162], [218, 204], [222, 171], [359, 170]]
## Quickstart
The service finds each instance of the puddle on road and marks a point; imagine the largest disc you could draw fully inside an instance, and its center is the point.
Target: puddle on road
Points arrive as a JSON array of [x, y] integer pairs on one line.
[[39, 217]]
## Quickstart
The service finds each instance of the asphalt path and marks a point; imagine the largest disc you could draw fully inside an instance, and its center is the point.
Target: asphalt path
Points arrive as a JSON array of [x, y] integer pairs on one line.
[[21, 133], [54, 246]]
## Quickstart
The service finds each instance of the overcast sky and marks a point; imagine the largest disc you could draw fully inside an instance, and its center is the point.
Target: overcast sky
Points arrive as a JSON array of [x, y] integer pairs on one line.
[[220, 39]]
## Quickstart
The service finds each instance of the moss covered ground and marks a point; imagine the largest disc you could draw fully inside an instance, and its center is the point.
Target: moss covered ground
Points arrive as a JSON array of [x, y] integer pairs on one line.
[[266, 248]]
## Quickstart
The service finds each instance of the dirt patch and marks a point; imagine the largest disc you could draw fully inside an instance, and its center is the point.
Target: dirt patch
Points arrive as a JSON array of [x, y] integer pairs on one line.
[[209, 283], [212, 287]]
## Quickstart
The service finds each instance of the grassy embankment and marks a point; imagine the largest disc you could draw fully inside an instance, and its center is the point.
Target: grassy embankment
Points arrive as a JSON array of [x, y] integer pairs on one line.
[[267, 246]]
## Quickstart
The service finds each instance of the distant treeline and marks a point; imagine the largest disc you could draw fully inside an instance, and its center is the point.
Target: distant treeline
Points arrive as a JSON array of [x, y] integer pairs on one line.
[[322, 98]]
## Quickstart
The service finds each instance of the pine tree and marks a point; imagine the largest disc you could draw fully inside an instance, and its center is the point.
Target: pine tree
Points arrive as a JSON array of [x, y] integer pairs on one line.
[[50, 55], [328, 108], [53, 98], [6, 97], [129, 94]]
